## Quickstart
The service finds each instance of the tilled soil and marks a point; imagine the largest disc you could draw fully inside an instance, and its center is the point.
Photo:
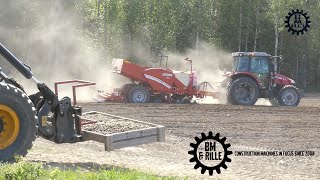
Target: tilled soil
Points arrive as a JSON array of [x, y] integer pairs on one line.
[[256, 128], [108, 125]]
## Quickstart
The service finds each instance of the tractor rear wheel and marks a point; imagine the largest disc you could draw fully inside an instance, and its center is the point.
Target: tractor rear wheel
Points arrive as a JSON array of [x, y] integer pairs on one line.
[[243, 91], [17, 122], [139, 94], [229, 99], [289, 96]]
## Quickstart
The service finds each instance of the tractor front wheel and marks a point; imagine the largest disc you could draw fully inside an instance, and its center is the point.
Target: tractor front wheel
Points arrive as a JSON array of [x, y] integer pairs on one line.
[[17, 122], [289, 96], [243, 91], [139, 94]]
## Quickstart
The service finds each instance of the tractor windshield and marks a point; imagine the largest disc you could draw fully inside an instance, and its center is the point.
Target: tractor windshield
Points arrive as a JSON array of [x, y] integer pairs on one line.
[[241, 64], [259, 65]]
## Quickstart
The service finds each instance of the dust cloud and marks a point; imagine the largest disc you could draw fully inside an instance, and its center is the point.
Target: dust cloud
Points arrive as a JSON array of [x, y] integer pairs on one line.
[[54, 47], [209, 62], [52, 43]]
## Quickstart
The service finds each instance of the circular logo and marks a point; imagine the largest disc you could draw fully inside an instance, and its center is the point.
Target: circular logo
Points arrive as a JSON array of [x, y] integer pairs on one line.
[[297, 22], [210, 153]]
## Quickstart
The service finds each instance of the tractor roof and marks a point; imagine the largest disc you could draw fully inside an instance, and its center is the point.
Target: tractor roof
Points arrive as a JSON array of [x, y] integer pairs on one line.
[[250, 54]]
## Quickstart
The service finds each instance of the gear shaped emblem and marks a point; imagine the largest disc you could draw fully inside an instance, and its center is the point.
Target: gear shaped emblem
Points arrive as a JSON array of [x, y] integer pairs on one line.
[[297, 22], [211, 152]]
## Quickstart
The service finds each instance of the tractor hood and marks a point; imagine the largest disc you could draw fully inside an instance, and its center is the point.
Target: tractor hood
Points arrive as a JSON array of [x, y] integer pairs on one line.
[[283, 80]]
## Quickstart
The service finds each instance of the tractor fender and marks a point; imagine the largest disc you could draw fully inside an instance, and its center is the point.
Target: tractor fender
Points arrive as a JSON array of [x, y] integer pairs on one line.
[[237, 75]]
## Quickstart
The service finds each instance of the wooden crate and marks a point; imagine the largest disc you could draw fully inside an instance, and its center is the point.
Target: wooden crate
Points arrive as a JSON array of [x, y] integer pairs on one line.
[[154, 133]]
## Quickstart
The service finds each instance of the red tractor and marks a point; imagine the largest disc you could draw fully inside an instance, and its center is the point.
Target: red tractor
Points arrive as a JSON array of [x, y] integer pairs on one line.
[[254, 76]]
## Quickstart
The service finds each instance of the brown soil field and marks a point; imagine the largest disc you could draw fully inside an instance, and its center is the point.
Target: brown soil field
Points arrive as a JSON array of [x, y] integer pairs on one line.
[[255, 128]]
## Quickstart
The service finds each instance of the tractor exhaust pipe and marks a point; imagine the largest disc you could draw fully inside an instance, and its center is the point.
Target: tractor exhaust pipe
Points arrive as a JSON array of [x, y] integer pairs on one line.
[[22, 68]]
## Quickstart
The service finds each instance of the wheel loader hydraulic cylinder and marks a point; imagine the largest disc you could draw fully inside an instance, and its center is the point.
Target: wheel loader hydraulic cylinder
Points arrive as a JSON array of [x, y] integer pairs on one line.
[[24, 70]]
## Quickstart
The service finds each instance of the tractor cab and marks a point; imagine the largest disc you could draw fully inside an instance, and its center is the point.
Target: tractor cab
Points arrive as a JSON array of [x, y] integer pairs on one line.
[[259, 64], [252, 62]]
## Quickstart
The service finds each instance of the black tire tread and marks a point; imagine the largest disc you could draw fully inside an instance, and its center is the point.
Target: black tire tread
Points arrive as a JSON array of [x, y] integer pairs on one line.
[[125, 89], [283, 89], [138, 87], [29, 133], [232, 99]]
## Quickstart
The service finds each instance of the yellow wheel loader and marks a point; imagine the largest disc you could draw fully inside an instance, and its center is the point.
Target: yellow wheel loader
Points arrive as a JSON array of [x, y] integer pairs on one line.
[[23, 117]]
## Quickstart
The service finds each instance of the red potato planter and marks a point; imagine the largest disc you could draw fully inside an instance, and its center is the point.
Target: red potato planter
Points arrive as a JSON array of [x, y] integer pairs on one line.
[[156, 85]]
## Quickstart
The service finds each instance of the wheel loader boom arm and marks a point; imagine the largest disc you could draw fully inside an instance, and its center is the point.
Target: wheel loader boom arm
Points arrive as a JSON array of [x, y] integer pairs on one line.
[[22, 68], [64, 117]]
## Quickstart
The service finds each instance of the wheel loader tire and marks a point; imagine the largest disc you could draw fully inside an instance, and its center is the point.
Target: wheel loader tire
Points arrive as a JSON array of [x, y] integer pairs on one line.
[[36, 98], [17, 123], [289, 96], [139, 94], [243, 91]]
